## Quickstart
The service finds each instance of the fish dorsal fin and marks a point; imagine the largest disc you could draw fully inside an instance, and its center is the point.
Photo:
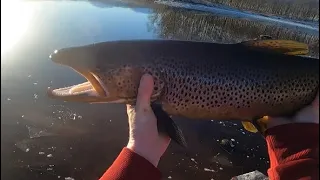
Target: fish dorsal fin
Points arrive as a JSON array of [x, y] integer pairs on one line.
[[288, 47], [264, 37]]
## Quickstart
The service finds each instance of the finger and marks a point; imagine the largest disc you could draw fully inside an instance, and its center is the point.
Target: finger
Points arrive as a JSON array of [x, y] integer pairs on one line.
[[145, 91], [316, 101], [130, 110], [167, 138], [129, 107], [130, 113]]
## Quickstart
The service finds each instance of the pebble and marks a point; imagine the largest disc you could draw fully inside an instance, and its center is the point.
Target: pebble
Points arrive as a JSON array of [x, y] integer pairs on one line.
[[49, 155]]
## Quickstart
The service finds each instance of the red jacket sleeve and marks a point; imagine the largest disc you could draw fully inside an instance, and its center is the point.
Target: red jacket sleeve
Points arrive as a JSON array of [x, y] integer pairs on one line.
[[293, 151], [131, 166]]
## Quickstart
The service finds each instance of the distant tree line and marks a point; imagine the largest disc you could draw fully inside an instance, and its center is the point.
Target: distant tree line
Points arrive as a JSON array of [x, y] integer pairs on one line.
[[171, 23], [296, 9], [293, 9]]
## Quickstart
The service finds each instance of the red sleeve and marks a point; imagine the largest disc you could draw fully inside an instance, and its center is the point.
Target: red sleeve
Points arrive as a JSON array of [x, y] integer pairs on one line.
[[131, 166], [293, 151]]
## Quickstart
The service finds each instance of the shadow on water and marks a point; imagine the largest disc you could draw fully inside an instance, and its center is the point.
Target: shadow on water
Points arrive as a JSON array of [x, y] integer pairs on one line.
[[43, 138]]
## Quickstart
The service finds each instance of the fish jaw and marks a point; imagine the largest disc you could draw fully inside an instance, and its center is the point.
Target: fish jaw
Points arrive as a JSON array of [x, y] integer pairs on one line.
[[94, 90], [83, 61], [83, 92]]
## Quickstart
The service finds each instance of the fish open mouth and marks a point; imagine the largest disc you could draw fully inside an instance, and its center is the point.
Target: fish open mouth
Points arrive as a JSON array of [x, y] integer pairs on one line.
[[87, 91]]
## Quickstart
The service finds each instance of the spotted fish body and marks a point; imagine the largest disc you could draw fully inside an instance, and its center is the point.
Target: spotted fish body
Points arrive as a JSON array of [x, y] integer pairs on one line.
[[238, 85], [198, 80]]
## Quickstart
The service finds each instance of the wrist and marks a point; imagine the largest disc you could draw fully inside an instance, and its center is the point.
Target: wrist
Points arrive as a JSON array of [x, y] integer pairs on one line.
[[282, 121], [277, 122], [146, 152]]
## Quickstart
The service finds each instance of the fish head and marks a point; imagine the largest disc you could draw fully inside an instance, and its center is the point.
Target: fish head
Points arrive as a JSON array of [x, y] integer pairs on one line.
[[113, 75]]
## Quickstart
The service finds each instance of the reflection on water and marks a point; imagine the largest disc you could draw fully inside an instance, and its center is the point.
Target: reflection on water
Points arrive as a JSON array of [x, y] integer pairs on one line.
[[44, 138], [13, 28]]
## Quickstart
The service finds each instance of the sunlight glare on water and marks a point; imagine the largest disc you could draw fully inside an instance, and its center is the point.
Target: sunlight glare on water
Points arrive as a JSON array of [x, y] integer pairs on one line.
[[15, 19]]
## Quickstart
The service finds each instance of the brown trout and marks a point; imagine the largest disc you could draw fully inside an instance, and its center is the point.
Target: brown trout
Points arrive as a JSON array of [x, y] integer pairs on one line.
[[196, 80]]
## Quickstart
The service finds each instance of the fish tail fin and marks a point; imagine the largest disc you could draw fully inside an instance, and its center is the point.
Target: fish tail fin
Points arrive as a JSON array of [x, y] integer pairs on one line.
[[288, 47], [166, 125]]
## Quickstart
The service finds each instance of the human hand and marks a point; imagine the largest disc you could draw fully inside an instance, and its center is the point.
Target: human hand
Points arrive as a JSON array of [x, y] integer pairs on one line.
[[309, 114], [144, 138]]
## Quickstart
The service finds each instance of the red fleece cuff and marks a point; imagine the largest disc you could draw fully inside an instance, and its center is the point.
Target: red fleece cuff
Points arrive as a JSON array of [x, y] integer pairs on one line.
[[293, 151], [131, 166], [293, 135]]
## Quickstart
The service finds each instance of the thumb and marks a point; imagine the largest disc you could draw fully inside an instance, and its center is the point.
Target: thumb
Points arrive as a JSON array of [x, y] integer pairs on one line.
[[316, 101], [145, 91]]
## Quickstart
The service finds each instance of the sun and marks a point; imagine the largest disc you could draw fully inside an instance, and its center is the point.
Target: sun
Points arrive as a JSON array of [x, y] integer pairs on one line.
[[15, 19]]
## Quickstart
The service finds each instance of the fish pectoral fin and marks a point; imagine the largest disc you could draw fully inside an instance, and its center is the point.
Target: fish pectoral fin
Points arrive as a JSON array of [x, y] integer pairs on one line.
[[256, 125], [249, 126], [166, 125], [288, 47]]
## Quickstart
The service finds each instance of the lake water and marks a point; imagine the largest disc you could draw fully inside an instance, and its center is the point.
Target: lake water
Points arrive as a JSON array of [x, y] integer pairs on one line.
[[42, 138]]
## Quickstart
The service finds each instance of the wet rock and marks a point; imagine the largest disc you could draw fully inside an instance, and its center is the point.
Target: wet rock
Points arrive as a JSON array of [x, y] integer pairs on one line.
[[254, 175]]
